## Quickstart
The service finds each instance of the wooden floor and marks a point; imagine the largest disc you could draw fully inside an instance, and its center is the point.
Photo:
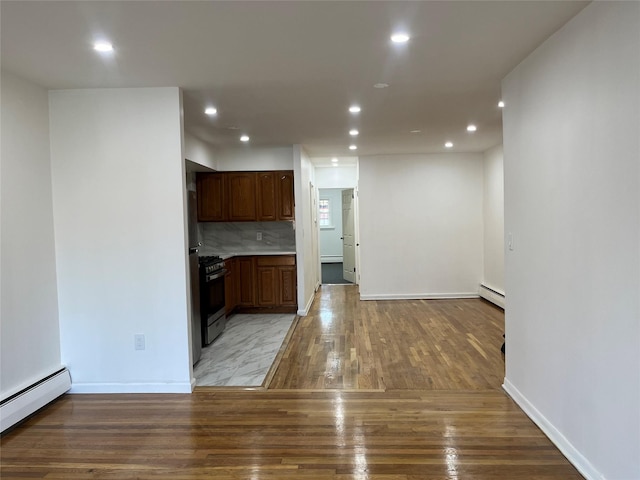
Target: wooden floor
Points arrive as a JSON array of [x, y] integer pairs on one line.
[[401, 390], [415, 344]]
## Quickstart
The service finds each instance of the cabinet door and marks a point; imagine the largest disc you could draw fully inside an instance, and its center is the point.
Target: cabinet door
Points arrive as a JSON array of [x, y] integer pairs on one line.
[[286, 210], [241, 187], [267, 286], [230, 286], [287, 286], [211, 197], [246, 282], [266, 202]]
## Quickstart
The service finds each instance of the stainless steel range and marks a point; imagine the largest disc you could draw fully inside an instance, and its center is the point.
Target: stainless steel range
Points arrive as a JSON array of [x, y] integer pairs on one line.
[[212, 306]]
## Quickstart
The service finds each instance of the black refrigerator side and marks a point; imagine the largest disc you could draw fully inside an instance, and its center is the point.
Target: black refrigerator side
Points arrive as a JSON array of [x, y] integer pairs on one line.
[[194, 275]]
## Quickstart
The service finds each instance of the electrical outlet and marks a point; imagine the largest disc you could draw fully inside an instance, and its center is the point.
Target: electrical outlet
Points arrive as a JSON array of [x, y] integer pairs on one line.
[[138, 341], [259, 236]]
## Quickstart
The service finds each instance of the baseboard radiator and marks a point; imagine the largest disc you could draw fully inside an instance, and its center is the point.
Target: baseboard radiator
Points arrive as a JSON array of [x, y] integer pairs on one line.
[[491, 295], [330, 258], [27, 401]]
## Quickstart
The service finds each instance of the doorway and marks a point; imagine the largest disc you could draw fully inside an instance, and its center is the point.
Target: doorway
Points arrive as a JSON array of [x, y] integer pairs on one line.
[[336, 220]]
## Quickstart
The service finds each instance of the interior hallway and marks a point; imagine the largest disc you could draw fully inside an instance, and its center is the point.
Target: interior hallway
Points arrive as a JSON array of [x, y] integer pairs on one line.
[[333, 274], [400, 390]]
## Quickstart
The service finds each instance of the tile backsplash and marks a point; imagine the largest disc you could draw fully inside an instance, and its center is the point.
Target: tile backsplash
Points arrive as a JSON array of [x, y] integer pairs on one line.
[[220, 237]]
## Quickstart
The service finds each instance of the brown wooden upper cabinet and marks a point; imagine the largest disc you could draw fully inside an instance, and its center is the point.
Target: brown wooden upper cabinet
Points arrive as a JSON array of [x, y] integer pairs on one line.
[[211, 197], [286, 204], [267, 198], [245, 196], [242, 196]]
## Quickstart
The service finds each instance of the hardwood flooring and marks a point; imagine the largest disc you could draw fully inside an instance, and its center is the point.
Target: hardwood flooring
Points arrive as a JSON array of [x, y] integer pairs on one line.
[[415, 344], [283, 435], [365, 390]]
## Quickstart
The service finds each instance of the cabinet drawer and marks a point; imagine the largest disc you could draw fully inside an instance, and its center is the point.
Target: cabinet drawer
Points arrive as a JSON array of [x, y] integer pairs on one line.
[[275, 261]]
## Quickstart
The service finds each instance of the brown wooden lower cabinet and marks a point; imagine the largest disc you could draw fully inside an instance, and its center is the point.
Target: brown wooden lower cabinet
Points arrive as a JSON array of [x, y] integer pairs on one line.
[[230, 286], [288, 286], [265, 283], [266, 287], [245, 293]]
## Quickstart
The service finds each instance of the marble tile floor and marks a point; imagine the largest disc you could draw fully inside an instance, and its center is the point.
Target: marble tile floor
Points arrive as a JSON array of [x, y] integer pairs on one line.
[[242, 355]]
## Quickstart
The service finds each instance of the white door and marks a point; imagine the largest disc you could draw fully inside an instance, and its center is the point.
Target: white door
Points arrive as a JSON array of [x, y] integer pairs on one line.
[[348, 243], [313, 199]]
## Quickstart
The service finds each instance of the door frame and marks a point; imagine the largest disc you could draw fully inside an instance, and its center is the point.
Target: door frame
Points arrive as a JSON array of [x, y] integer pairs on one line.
[[352, 193]]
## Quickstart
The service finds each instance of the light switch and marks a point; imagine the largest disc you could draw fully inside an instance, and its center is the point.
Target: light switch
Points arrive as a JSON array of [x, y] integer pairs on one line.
[[138, 340], [510, 241]]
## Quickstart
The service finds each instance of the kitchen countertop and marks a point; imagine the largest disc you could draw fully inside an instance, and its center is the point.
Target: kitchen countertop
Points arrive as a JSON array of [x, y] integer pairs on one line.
[[226, 255], [251, 253]]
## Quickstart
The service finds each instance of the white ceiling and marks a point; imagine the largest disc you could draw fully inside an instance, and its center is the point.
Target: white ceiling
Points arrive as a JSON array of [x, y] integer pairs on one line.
[[286, 72]]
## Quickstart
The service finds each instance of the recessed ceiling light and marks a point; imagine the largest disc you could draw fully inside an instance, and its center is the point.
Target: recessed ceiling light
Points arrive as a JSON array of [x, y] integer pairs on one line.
[[210, 111], [448, 145], [381, 85], [103, 47], [471, 128], [501, 104], [354, 109], [415, 131], [353, 132], [334, 160], [244, 138], [400, 37], [353, 147]]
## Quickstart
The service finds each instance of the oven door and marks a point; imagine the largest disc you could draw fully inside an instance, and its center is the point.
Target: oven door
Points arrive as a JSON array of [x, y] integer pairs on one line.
[[213, 314]]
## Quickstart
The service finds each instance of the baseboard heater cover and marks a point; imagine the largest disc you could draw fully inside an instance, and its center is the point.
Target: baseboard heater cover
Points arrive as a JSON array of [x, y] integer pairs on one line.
[[19, 406], [331, 259], [491, 295], [417, 296]]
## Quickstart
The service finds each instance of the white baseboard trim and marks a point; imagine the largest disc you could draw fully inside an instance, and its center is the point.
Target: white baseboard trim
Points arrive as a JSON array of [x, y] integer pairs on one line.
[[557, 438], [21, 405], [331, 258], [417, 296], [305, 311], [131, 387], [491, 295]]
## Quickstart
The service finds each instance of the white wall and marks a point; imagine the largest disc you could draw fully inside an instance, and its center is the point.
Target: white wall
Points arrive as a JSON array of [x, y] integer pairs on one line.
[[337, 177], [572, 203], [307, 263], [30, 340], [199, 152], [119, 209], [420, 225], [248, 158], [331, 238], [493, 214]]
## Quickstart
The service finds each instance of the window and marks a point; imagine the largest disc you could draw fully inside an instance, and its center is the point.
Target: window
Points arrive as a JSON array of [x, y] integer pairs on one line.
[[324, 210]]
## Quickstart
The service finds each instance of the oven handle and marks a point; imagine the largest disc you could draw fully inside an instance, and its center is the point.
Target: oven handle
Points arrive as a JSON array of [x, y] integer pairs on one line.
[[214, 276]]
